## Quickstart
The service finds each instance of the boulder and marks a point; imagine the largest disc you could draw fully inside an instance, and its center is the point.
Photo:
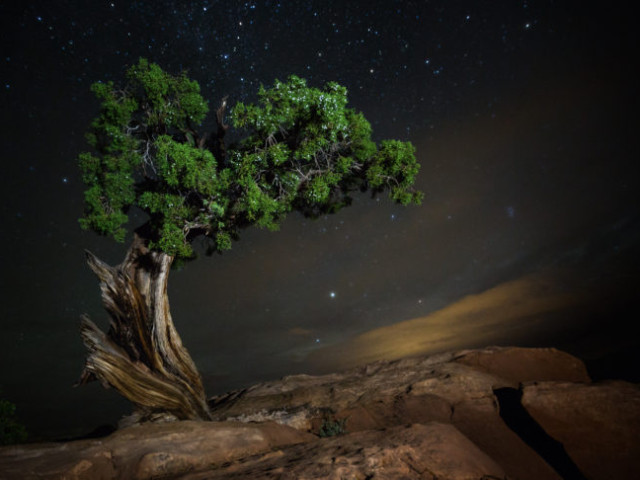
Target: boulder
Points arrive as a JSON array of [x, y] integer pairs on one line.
[[526, 364], [598, 424], [453, 387], [147, 451], [426, 452], [498, 412]]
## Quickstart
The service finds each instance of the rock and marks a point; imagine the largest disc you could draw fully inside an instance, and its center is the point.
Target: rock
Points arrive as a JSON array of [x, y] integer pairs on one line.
[[598, 424], [147, 451], [432, 451], [482, 424], [447, 416], [70, 461], [527, 364], [452, 376], [454, 387]]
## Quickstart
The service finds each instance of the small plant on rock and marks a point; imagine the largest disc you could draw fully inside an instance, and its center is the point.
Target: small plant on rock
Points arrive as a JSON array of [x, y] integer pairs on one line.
[[11, 431], [332, 427]]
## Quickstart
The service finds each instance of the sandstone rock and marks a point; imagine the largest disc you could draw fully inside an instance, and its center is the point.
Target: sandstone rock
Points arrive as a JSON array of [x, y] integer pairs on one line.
[[598, 424], [454, 387], [482, 424], [147, 451], [429, 452], [439, 375], [447, 416], [452, 376], [526, 364]]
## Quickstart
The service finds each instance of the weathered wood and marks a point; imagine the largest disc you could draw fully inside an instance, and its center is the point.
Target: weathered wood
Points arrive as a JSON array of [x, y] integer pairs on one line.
[[142, 355]]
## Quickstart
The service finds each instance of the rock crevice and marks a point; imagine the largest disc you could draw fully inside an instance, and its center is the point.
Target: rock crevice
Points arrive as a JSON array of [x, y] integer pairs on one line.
[[518, 419]]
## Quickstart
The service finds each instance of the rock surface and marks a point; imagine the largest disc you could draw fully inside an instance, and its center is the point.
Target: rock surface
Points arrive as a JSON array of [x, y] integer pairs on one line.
[[593, 422], [475, 414], [147, 451], [432, 451]]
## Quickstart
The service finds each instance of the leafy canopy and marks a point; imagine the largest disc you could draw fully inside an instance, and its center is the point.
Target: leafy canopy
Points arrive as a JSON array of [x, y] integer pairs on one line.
[[303, 150]]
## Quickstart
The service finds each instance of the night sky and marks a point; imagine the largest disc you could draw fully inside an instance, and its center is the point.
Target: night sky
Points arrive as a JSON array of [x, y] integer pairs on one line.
[[525, 119]]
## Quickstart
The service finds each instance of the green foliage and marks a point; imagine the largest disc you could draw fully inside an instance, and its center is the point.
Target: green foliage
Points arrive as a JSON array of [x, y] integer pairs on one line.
[[180, 166], [166, 100], [394, 165], [11, 431], [332, 427], [110, 189], [316, 116], [303, 150]]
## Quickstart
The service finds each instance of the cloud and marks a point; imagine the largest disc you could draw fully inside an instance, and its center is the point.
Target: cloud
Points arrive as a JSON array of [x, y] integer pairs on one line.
[[300, 332], [510, 309]]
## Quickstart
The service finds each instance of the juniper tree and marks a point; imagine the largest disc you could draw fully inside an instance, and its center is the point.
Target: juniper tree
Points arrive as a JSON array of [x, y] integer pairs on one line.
[[300, 149]]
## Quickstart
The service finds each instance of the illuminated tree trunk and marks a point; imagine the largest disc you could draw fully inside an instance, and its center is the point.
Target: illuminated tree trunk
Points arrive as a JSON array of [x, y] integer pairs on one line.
[[142, 356]]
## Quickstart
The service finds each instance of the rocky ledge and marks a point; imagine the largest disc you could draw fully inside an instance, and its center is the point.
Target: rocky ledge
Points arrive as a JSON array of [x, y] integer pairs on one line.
[[495, 413]]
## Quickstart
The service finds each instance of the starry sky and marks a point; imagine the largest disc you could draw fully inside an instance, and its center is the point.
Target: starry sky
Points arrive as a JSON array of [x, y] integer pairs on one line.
[[525, 118]]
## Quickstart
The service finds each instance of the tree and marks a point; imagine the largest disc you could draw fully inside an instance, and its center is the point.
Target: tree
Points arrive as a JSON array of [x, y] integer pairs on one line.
[[303, 150]]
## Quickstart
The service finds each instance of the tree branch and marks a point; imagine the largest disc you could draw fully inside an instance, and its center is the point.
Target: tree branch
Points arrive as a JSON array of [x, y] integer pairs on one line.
[[217, 145]]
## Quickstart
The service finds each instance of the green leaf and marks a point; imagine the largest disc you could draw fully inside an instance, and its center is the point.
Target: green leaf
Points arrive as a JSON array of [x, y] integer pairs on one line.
[[303, 149]]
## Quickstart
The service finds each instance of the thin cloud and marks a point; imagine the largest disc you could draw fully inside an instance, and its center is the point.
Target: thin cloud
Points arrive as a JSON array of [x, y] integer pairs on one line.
[[475, 319]]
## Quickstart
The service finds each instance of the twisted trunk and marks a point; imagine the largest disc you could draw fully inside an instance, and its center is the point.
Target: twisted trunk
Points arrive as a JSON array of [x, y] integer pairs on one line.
[[142, 355]]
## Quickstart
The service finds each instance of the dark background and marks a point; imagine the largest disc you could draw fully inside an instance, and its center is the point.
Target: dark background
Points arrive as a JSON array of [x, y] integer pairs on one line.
[[525, 119]]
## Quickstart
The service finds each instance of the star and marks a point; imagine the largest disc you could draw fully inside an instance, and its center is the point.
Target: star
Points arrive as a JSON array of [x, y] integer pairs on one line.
[[511, 211]]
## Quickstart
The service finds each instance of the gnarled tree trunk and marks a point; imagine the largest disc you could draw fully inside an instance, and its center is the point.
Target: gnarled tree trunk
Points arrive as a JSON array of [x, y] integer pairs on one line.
[[142, 355]]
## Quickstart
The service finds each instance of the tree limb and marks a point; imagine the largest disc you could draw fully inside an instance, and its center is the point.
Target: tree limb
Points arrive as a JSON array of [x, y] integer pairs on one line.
[[217, 145]]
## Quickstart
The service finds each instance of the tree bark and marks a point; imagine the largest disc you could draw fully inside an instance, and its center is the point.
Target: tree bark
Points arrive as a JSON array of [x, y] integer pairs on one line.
[[142, 356], [217, 145]]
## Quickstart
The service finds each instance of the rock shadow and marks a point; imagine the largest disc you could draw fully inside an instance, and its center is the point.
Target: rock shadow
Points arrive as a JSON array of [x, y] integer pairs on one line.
[[516, 417]]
